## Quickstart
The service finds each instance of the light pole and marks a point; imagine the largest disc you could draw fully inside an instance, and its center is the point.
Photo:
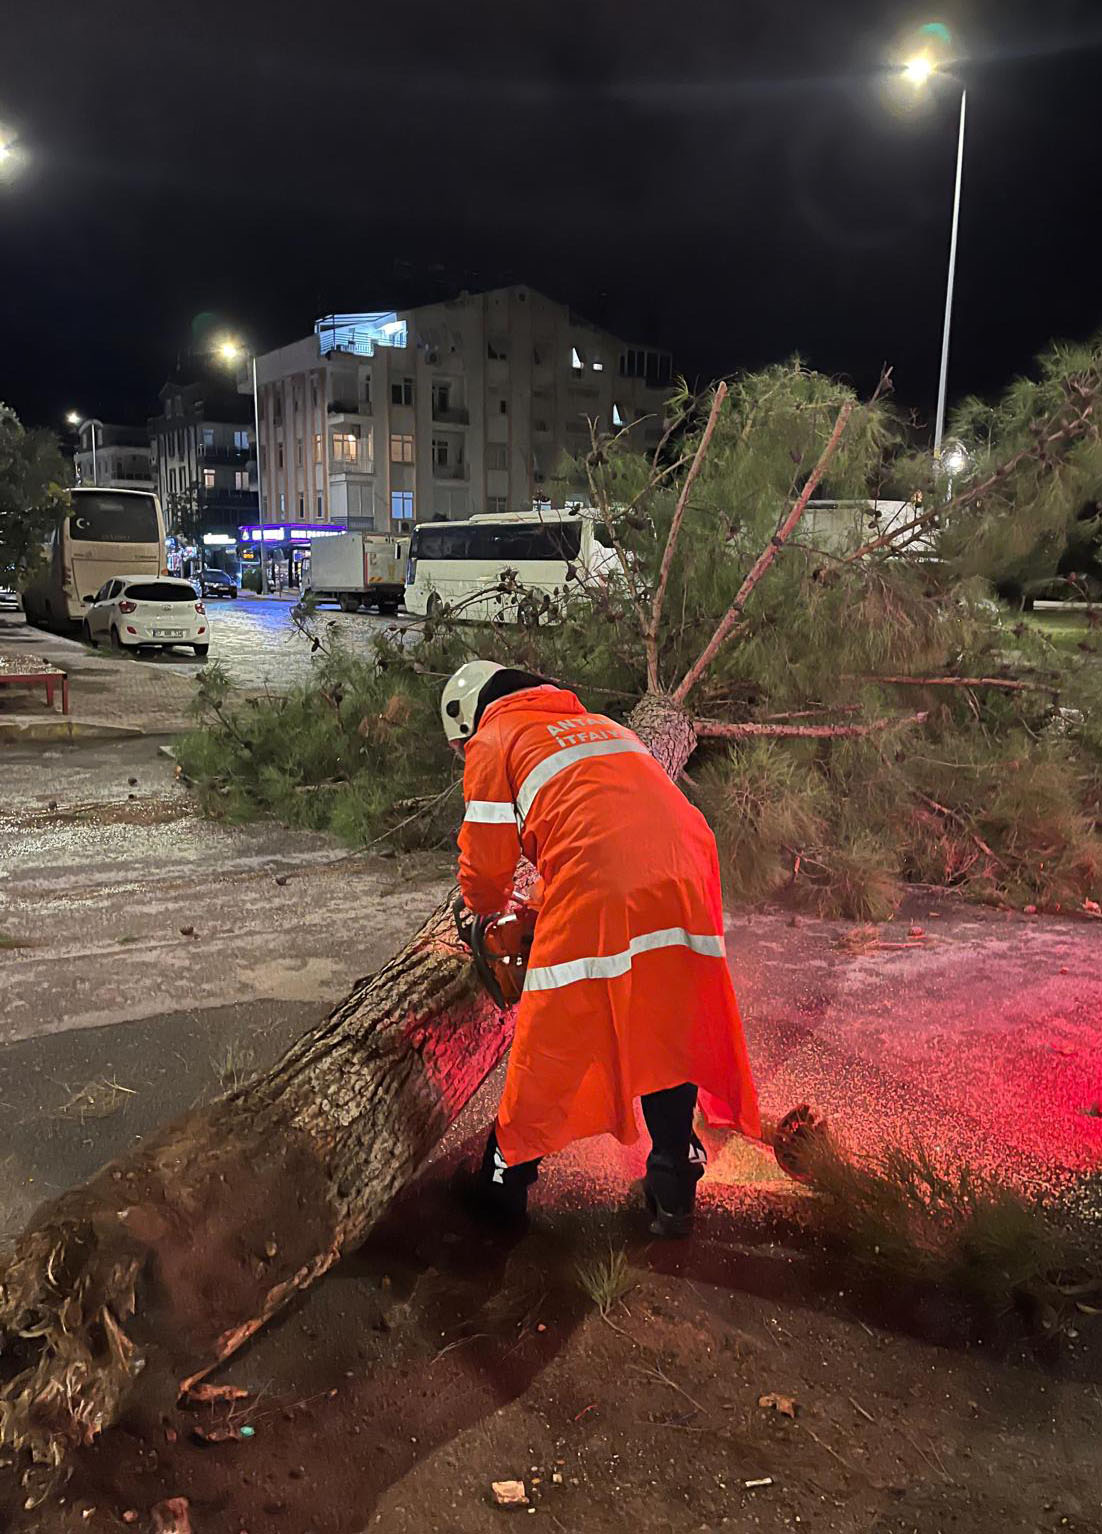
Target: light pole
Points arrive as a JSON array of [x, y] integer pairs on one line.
[[231, 352], [76, 420], [919, 70]]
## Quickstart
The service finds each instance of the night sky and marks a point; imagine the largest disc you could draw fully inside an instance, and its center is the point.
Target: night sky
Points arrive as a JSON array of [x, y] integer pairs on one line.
[[732, 179]]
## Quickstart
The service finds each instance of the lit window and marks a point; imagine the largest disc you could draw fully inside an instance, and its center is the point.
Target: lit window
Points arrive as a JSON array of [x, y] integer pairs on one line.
[[401, 391], [401, 448], [208, 436], [317, 447], [597, 365], [208, 479], [282, 503], [401, 504], [346, 446], [241, 440], [241, 479], [617, 416], [577, 362]]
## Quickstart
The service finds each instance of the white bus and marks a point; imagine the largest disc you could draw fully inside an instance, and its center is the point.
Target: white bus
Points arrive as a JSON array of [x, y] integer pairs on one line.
[[105, 533], [459, 564]]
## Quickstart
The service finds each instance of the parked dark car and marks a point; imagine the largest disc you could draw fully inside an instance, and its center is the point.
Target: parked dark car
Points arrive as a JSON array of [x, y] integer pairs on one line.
[[216, 583]]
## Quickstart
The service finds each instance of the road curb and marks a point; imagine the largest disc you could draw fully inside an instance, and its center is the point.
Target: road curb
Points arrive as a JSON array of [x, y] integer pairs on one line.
[[30, 728]]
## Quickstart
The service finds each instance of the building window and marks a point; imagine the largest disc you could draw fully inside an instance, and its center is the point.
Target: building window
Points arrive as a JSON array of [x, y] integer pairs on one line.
[[597, 365], [497, 349], [401, 391], [298, 451], [401, 505], [497, 455], [208, 479], [401, 448], [496, 504], [208, 436], [241, 479], [319, 506], [282, 503], [577, 362], [618, 416], [346, 447], [440, 447], [317, 447], [503, 407], [241, 441], [301, 507], [279, 451], [172, 481], [539, 424], [441, 398]]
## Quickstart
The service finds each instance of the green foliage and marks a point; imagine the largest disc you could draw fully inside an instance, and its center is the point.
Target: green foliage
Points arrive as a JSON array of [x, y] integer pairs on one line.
[[906, 1219], [606, 1280], [998, 793], [33, 477], [250, 578]]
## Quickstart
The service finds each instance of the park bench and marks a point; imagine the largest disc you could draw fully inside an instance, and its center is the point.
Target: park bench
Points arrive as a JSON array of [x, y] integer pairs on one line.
[[20, 672]]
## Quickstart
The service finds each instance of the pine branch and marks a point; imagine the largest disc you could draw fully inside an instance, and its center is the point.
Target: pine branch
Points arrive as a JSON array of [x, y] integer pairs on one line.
[[650, 633], [1005, 683], [765, 559], [717, 729], [1067, 430]]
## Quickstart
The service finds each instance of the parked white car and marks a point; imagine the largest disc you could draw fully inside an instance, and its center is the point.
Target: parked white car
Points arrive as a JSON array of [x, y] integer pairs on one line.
[[136, 611]]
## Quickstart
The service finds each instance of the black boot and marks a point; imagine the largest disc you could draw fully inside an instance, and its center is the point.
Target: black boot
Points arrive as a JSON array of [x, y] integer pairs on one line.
[[676, 1162], [496, 1194]]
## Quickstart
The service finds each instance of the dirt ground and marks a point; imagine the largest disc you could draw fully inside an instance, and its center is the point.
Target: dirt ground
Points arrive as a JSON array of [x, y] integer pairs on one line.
[[436, 1360]]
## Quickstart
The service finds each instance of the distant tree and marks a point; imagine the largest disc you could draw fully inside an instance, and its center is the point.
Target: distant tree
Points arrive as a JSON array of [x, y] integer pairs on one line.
[[33, 481], [183, 516]]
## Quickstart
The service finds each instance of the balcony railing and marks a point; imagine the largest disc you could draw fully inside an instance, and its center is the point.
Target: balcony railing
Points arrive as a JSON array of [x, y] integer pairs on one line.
[[450, 470], [451, 415], [351, 466], [349, 407], [218, 497], [217, 452]]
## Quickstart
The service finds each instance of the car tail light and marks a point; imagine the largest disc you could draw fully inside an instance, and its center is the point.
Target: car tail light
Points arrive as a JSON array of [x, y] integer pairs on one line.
[[203, 629], [199, 608], [130, 630], [128, 607]]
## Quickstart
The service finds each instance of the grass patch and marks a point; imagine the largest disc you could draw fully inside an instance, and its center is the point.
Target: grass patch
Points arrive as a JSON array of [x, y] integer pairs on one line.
[[9, 940], [1067, 631], [606, 1280], [905, 1220]]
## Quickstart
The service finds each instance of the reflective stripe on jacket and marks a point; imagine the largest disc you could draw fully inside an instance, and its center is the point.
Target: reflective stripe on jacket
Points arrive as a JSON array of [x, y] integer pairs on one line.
[[628, 989]]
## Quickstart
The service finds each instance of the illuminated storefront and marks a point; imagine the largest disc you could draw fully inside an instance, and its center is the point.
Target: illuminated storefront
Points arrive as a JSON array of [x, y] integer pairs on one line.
[[285, 546]]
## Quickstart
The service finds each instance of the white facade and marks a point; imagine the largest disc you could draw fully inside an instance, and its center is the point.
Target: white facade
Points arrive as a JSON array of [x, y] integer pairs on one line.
[[121, 460], [380, 421]]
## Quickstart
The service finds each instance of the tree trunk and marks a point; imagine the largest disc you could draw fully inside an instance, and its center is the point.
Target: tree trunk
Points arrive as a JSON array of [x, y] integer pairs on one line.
[[171, 1257]]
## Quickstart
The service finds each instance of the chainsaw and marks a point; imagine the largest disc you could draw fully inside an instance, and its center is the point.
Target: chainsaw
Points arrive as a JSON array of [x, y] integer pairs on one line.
[[499, 946]]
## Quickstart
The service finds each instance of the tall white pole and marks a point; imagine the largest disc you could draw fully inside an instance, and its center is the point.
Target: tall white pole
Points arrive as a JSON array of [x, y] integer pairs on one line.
[[939, 424], [95, 469], [259, 487]]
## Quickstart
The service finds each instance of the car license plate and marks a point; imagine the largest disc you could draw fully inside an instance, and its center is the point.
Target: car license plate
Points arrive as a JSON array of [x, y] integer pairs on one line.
[[168, 633]]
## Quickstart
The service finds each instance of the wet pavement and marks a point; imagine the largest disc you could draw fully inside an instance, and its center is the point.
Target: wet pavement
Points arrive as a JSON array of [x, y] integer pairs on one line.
[[260, 647]]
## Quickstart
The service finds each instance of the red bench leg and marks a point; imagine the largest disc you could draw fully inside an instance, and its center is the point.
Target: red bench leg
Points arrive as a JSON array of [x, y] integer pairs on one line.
[[65, 695], [49, 692]]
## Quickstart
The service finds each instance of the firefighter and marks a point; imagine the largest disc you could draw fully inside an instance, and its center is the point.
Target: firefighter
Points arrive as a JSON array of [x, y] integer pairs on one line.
[[627, 992]]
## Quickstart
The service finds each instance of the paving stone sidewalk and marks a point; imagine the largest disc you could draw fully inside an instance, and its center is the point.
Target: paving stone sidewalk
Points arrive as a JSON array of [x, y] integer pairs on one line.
[[109, 694]]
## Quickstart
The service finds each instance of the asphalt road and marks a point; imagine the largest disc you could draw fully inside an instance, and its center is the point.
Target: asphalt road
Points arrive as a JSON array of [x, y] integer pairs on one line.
[[259, 645]]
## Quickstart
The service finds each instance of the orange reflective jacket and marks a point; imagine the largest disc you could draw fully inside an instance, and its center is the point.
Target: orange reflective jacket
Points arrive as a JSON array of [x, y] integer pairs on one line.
[[628, 990]]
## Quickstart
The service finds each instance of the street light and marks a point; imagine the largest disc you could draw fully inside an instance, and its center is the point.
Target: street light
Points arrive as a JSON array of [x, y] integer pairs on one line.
[[78, 423], [230, 353], [918, 71]]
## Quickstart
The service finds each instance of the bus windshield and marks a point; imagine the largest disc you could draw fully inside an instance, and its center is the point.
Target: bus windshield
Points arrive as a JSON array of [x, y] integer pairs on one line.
[[98, 516]]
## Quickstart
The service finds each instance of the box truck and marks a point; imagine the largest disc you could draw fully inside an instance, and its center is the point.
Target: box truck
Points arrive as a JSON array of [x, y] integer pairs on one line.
[[353, 569]]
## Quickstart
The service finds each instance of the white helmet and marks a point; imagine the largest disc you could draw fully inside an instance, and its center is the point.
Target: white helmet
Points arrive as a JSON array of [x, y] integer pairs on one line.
[[459, 700]]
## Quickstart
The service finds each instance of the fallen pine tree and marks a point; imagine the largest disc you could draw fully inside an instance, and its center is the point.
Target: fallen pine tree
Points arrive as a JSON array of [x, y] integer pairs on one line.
[[169, 1259]]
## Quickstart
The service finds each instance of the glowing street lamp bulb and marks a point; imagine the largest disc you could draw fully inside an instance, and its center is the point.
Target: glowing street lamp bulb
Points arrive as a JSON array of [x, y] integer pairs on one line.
[[6, 151], [74, 418], [230, 351], [919, 69]]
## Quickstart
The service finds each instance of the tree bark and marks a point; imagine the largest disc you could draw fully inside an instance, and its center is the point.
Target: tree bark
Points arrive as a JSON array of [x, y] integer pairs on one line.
[[170, 1258]]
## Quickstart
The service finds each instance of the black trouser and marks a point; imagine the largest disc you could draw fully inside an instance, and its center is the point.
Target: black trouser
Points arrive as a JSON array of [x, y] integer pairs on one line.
[[674, 1167]]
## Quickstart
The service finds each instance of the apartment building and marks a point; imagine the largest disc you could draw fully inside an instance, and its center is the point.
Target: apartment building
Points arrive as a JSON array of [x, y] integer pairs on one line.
[[386, 419], [113, 456], [204, 464]]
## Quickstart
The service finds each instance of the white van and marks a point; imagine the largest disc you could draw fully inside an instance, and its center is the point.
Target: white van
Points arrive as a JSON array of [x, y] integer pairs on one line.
[[460, 564]]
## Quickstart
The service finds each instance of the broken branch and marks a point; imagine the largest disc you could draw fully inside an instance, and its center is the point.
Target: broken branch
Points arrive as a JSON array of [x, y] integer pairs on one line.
[[717, 729], [764, 560]]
